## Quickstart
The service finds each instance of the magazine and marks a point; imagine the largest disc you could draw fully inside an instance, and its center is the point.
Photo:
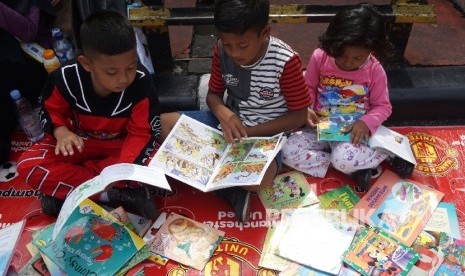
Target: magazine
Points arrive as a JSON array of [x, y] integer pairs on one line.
[[113, 173], [316, 238], [198, 155], [375, 252], [401, 207], [288, 190], [9, 237], [91, 242], [392, 142], [186, 241], [444, 219], [342, 198]]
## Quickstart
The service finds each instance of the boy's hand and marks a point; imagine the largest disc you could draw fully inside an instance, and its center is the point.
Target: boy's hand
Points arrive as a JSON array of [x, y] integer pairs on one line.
[[66, 141], [232, 127], [312, 118], [360, 132]]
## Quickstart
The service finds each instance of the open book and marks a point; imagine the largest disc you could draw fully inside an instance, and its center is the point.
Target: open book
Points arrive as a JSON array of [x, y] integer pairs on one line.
[[392, 142], [198, 155]]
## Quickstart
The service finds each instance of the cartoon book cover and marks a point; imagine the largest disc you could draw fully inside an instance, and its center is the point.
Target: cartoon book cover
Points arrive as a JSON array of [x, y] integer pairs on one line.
[[375, 252], [288, 190], [454, 256], [198, 155], [444, 219], [342, 198], [332, 127], [428, 263], [186, 241], [314, 238], [91, 242], [401, 207]]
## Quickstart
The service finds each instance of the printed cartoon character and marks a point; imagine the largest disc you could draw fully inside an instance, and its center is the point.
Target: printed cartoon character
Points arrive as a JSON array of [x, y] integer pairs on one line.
[[290, 183], [274, 191]]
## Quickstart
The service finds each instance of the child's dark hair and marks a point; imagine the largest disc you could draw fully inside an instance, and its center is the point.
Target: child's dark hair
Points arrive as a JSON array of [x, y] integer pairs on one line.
[[107, 32], [238, 16], [361, 26]]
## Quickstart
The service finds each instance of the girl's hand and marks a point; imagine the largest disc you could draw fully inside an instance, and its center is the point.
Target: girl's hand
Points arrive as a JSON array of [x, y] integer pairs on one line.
[[312, 118], [360, 133], [66, 141], [232, 128]]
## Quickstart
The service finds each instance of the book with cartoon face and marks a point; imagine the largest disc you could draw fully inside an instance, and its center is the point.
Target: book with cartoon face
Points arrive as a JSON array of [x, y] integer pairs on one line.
[[375, 252], [186, 241]]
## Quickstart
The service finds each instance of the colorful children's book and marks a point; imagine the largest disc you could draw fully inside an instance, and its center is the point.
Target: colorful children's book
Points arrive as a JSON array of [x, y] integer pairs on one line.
[[186, 241], [444, 219], [316, 238], [454, 256], [9, 237], [288, 190], [429, 261], [375, 252], [342, 198], [392, 142], [198, 155], [91, 242], [333, 127], [295, 269], [401, 207]]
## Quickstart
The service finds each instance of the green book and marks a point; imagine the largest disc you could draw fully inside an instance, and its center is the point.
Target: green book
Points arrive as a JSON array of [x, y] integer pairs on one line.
[[342, 198]]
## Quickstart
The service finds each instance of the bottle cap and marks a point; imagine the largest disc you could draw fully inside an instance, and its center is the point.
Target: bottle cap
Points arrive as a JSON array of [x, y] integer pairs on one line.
[[48, 54], [15, 95], [55, 30]]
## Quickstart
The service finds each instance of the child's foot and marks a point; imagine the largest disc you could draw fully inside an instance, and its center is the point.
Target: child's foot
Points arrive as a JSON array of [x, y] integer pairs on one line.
[[51, 205], [238, 199], [401, 167], [363, 178], [137, 200]]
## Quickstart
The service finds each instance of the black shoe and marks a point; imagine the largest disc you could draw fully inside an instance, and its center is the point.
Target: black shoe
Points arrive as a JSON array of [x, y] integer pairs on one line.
[[363, 178], [51, 205], [401, 167], [137, 200], [238, 199]]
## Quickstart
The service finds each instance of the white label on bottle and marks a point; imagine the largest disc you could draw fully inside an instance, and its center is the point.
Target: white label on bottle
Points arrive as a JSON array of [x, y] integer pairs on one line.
[[34, 50]]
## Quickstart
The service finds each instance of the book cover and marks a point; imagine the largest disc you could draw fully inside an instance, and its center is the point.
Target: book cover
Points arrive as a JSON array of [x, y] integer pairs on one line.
[[401, 207], [392, 142], [121, 215], [444, 219], [9, 237], [332, 128], [316, 238], [342, 198], [454, 256], [375, 252], [198, 155], [186, 241], [288, 190], [91, 242], [428, 263]]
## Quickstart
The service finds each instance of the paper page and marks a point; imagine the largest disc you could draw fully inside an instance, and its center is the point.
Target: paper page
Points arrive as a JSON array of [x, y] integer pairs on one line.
[[123, 171], [9, 237], [390, 141]]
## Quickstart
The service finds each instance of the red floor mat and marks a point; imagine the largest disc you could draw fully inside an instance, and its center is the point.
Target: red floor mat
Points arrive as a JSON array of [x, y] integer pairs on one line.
[[438, 150]]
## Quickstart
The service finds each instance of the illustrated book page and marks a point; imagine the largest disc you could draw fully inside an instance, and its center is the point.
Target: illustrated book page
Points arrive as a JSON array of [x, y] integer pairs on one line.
[[444, 219], [392, 142], [332, 128], [186, 241], [9, 237], [454, 256], [374, 251], [198, 155], [401, 207]]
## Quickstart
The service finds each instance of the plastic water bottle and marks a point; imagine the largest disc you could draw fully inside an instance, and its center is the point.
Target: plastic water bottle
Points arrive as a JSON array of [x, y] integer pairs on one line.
[[28, 117], [62, 47], [51, 62]]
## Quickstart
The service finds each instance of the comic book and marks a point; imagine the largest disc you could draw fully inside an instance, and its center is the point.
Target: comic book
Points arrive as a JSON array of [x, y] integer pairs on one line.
[[288, 190], [9, 237], [401, 207], [186, 241], [342, 198], [316, 238], [375, 252], [91, 242], [454, 256], [198, 155]]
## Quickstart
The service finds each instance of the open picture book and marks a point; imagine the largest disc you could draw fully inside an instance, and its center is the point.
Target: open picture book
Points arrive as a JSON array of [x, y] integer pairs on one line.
[[198, 155]]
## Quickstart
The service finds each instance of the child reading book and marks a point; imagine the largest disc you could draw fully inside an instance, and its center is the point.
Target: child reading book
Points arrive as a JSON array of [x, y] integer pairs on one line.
[[346, 81], [263, 79]]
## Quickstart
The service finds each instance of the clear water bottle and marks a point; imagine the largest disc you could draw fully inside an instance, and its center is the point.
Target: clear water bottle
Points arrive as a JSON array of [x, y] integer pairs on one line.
[[28, 117], [62, 47]]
